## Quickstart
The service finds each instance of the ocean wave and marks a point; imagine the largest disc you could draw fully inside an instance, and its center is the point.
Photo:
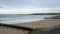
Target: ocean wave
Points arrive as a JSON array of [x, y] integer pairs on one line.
[[19, 21], [23, 19]]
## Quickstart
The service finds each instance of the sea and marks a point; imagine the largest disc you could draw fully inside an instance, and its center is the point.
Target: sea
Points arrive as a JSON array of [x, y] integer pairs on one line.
[[21, 18]]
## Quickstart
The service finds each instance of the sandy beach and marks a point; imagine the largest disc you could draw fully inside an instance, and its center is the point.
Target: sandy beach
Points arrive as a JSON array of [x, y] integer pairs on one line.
[[6, 30], [48, 23]]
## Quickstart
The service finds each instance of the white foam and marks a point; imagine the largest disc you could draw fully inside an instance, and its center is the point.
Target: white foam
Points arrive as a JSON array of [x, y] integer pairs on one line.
[[19, 21]]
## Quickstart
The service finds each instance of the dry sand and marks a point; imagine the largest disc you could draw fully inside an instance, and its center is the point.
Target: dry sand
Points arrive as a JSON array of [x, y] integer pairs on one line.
[[6, 30]]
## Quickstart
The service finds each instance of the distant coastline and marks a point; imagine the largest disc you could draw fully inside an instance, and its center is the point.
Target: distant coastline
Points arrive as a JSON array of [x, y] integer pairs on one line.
[[45, 14], [54, 17]]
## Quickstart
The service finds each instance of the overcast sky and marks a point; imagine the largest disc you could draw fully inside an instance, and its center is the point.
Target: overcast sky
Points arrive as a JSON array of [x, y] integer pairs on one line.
[[29, 6]]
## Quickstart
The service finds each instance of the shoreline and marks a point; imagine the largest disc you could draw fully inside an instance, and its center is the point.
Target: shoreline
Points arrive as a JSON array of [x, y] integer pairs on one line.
[[48, 23]]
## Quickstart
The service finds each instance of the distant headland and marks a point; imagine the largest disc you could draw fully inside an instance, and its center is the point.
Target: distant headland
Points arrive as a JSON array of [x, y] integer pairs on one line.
[[45, 14]]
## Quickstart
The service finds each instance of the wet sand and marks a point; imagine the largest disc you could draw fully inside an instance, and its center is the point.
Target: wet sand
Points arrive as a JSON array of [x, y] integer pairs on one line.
[[48, 23]]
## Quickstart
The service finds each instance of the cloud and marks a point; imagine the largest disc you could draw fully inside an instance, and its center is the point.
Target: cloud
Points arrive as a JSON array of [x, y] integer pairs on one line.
[[29, 6], [28, 11], [1, 7], [29, 3]]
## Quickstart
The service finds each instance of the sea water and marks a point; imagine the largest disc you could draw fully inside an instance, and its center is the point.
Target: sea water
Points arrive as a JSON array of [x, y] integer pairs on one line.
[[20, 18]]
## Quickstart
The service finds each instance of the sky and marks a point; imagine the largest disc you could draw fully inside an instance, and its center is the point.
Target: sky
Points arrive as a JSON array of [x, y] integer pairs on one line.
[[29, 6]]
